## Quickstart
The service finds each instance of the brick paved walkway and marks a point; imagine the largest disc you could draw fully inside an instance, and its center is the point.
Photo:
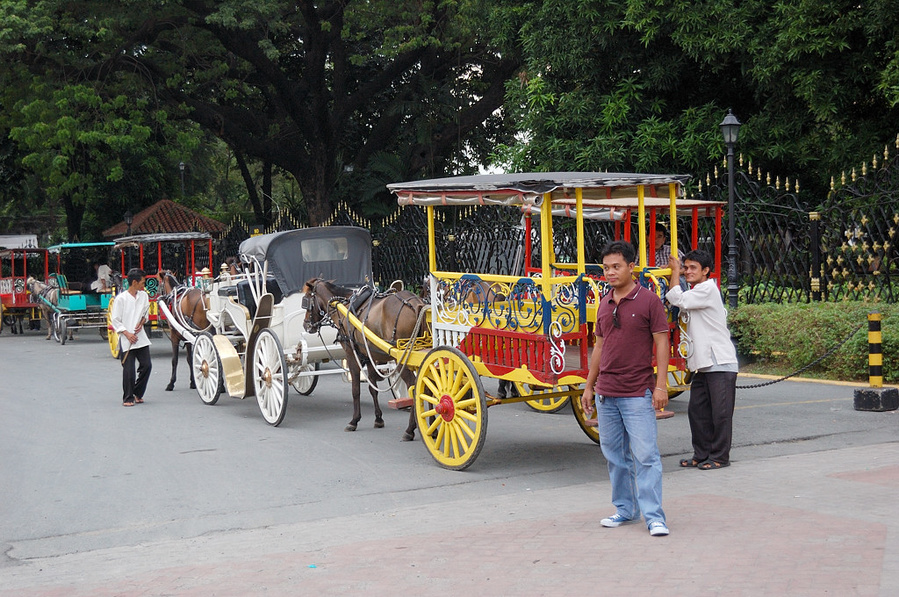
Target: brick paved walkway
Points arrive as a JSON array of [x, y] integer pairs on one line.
[[810, 524]]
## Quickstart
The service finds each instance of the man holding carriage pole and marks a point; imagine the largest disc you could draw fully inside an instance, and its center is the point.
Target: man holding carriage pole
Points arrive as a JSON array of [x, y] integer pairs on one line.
[[631, 325], [712, 358], [129, 314]]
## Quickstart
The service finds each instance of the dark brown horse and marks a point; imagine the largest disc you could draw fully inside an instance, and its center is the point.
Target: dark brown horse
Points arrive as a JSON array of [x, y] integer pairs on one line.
[[188, 308], [391, 316]]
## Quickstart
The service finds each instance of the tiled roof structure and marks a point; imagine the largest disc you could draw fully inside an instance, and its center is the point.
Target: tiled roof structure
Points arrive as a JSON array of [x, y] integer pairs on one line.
[[167, 216]]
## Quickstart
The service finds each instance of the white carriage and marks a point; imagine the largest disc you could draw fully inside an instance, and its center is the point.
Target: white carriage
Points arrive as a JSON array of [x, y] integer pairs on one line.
[[257, 345]]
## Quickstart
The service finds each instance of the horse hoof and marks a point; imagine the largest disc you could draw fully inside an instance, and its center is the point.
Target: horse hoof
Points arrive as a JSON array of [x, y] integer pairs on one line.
[[379, 424], [408, 437], [193, 386], [350, 428], [169, 388]]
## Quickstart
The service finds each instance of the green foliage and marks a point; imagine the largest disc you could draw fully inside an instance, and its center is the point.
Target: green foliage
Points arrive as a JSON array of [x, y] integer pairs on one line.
[[643, 85], [791, 336]]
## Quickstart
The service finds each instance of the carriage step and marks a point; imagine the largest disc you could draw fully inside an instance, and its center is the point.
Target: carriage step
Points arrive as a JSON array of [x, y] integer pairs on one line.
[[399, 403], [678, 388]]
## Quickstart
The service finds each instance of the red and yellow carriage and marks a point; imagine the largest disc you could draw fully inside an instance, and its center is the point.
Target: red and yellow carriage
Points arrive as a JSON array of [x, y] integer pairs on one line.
[[16, 304], [184, 254], [533, 327]]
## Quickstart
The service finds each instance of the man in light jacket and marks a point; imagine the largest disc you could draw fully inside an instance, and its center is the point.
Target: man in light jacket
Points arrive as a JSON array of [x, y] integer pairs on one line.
[[711, 357]]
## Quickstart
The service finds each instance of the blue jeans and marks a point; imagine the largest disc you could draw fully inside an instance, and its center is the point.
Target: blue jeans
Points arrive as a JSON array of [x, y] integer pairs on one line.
[[629, 440]]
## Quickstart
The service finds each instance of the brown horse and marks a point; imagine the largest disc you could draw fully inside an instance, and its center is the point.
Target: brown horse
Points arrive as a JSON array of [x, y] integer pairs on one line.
[[188, 308], [390, 316]]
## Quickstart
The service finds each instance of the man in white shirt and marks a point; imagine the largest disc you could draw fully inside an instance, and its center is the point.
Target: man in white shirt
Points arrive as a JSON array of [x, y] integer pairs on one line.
[[129, 314], [104, 278], [711, 357]]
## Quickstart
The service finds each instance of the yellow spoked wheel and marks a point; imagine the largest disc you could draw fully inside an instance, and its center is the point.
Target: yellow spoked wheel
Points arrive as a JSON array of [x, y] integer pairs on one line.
[[112, 336], [587, 425], [450, 408], [544, 405]]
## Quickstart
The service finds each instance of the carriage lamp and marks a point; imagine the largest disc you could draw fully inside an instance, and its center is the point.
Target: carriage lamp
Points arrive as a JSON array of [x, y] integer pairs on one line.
[[730, 129], [204, 279], [181, 168]]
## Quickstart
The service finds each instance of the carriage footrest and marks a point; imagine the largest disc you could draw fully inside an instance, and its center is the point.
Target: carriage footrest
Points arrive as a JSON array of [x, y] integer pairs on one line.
[[678, 388], [398, 403]]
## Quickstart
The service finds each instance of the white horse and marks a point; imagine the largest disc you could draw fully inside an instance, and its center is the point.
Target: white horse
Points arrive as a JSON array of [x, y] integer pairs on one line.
[[49, 294]]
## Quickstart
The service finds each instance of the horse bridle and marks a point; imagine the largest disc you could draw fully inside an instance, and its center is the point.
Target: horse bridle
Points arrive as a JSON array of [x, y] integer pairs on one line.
[[310, 304]]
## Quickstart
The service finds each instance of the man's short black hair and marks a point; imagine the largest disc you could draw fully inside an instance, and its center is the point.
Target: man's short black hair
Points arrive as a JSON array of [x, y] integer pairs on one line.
[[135, 274], [703, 258], [661, 228], [623, 248]]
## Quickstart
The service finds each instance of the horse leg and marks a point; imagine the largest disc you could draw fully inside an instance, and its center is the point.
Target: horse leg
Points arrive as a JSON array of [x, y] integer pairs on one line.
[[190, 365], [356, 376], [175, 340], [379, 419], [409, 434], [49, 317]]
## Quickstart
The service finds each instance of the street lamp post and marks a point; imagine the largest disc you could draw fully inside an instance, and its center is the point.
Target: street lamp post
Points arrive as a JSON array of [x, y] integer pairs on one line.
[[181, 168], [730, 128], [128, 217]]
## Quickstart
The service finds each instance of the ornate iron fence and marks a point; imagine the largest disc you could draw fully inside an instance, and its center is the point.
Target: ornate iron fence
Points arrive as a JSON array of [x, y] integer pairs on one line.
[[791, 247]]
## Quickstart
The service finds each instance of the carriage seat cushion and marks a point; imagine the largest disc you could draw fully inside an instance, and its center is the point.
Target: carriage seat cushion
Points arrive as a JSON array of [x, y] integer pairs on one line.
[[245, 296], [228, 291]]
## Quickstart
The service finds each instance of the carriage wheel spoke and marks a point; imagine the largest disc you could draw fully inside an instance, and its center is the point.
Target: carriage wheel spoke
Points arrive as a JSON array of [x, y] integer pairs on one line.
[[464, 414], [434, 424], [468, 430]]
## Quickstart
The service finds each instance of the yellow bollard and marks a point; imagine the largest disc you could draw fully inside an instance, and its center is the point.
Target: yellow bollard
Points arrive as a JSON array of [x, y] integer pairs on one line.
[[875, 351], [876, 398]]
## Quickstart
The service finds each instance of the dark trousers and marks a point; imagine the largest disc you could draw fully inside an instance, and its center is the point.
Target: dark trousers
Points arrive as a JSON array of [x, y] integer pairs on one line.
[[711, 415], [135, 389]]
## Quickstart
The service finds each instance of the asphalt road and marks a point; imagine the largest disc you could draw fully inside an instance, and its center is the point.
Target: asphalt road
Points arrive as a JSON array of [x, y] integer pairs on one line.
[[81, 473]]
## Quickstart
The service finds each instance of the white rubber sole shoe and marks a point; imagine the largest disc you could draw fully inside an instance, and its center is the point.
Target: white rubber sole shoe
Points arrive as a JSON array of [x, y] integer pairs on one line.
[[617, 520], [658, 528]]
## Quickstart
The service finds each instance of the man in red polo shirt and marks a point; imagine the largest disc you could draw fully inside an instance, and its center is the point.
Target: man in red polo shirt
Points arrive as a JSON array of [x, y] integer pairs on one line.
[[631, 325]]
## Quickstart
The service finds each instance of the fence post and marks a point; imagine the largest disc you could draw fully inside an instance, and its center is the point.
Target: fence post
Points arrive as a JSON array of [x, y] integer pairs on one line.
[[815, 242], [876, 398]]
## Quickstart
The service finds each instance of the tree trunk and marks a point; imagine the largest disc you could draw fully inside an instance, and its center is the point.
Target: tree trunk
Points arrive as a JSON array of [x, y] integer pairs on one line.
[[248, 181], [74, 217]]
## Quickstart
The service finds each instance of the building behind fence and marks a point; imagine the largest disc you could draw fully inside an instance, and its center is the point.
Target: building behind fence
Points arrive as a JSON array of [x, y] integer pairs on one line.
[[791, 248]]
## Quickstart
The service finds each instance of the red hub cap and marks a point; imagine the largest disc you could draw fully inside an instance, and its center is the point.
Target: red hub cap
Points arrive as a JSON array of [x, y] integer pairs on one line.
[[445, 408]]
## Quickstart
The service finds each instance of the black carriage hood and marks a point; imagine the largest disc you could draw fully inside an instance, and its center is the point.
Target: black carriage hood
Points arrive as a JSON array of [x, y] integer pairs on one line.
[[339, 253]]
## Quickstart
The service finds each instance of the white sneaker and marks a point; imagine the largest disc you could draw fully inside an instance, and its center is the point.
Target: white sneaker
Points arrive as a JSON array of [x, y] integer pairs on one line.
[[658, 528], [616, 520]]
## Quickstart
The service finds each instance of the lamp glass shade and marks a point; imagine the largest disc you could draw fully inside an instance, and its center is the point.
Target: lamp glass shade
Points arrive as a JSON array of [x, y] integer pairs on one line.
[[128, 217], [730, 128]]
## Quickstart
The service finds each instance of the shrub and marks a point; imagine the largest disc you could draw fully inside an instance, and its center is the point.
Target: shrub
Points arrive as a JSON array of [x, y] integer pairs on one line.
[[792, 335]]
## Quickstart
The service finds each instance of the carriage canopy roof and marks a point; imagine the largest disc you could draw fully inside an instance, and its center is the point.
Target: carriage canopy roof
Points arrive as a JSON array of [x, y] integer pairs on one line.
[[600, 189], [64, 246], [339, 253], [165, 237]]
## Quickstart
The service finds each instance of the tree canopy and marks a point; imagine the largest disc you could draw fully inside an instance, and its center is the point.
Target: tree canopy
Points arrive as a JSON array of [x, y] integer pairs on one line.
[[102, 99], [643, 84]]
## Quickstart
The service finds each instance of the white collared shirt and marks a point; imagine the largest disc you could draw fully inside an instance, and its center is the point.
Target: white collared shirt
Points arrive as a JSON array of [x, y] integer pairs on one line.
[[709, 342], [127, 313]]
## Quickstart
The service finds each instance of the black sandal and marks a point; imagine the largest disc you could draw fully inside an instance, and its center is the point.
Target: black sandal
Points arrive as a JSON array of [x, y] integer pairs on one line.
[[711, 465], [689, 463]]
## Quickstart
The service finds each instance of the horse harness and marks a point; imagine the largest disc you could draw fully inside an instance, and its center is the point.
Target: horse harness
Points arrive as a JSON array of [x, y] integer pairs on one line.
[[362, 297], [173, 299]]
